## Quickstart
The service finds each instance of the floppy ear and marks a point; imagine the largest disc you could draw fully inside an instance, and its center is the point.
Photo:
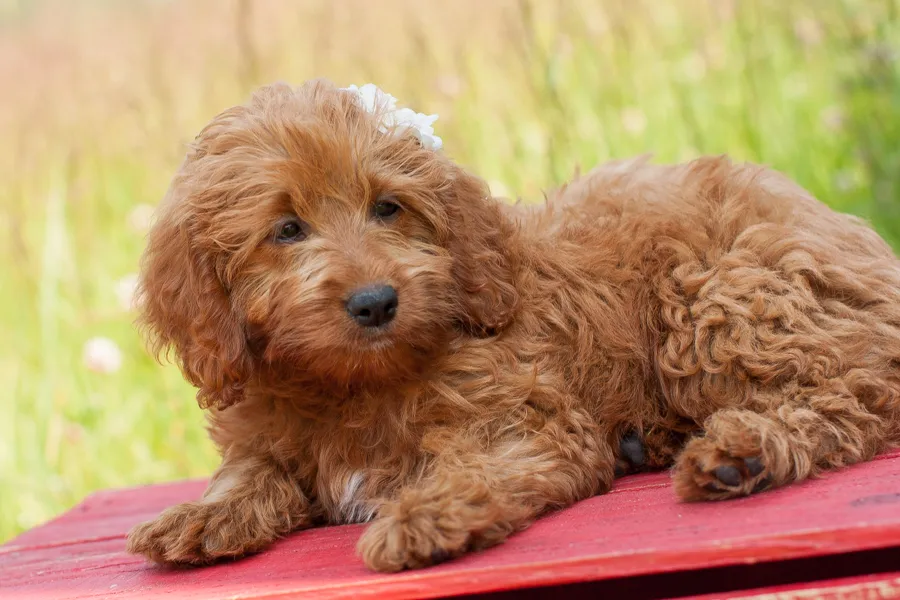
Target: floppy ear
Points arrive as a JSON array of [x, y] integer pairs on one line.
[[185, 309], [479, 243]]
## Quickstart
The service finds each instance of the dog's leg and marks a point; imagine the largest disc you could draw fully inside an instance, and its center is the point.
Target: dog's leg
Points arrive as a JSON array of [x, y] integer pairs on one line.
[[787, 348], [473, 497], [744, 451], [248, 505]]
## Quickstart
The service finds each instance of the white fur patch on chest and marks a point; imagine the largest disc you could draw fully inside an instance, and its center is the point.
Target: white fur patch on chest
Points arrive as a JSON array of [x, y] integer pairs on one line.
[[222, 484], [353, 506]]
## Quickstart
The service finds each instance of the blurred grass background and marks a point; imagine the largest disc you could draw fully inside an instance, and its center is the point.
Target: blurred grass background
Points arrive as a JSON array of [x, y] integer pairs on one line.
[[98, 98]]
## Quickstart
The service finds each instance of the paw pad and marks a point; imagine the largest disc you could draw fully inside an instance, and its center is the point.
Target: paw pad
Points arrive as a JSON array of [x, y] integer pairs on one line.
[[754, 466], [706, 470], [736, 477], [728, 474]]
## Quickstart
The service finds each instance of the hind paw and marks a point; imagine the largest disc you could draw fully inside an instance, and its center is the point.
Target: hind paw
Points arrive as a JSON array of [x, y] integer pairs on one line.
[[706, 470]]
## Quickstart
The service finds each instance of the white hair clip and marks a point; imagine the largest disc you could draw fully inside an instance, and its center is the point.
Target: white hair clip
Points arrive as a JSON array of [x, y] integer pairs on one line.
[[401, 120]]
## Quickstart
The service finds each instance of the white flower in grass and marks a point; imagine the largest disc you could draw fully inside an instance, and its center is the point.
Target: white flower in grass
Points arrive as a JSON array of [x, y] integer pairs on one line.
[[809, 31], [102, 355], [449, 85], [833, 118], [845, 181], [140, 217], [125, 291], [633, 120], [401, 120], [693, 67]]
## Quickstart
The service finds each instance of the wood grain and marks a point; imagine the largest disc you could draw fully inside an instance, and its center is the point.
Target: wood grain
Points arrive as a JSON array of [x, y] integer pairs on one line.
[[639, 529]]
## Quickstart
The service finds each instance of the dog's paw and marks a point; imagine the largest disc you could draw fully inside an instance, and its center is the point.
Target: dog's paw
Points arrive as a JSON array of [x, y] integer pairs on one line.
[[708, 469], [197, 534], [631, 457], [410, 541]]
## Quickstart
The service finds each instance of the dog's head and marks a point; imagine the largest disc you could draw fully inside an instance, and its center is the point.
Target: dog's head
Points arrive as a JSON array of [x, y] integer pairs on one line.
[[297, 233]]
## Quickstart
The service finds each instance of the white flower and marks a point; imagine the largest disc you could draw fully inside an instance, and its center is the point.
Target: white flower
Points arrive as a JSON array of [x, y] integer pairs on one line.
[[449, 85], [693, 67], [102, 355], [420, 125], [846, 180], [833, 118], [140, 217], [633, 120], [400, 120], [808, 31], [373, 98], [125, 289]]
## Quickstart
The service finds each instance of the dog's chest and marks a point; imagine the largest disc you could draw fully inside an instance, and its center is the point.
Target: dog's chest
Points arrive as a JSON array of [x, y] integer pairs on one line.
[[346, 497]]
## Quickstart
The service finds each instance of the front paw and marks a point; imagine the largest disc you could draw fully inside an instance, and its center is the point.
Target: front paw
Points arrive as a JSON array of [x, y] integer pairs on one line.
[[198, 533], [426, 528], [410, 541]]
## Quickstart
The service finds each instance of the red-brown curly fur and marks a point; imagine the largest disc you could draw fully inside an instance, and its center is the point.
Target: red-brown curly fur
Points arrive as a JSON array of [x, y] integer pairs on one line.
[[664, 299]]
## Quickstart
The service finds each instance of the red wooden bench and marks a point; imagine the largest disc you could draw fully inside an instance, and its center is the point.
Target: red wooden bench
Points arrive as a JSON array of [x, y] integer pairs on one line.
[[836, 537]]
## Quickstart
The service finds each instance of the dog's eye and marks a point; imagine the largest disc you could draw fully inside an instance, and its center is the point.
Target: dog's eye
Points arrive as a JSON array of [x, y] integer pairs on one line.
[[290, 231], [386, 209]]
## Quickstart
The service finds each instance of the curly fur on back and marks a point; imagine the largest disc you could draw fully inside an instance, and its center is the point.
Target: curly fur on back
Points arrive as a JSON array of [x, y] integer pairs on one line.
[[749, 333]]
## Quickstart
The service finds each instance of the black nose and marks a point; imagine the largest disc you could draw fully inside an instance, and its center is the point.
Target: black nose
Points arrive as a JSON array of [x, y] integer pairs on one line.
[[373, 306]]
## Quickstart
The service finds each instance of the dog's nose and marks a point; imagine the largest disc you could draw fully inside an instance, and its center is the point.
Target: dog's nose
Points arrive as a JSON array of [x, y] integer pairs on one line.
[[373, 306]]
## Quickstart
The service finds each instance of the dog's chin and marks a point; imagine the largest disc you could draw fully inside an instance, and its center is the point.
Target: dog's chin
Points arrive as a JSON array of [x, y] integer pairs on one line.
[[377, 345], [379, 357], [369, 361]]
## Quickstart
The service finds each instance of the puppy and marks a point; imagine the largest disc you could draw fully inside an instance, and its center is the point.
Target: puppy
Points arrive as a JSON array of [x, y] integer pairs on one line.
[[378, 340]]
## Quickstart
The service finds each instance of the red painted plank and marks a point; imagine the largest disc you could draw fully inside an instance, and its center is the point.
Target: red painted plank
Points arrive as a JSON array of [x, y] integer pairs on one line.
[[866, 587], [637, 529]]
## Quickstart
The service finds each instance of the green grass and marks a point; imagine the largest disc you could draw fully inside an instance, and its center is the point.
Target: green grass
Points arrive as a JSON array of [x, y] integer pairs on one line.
[[98, 102]]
